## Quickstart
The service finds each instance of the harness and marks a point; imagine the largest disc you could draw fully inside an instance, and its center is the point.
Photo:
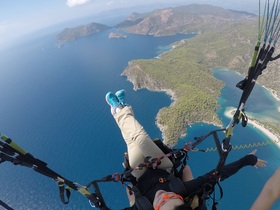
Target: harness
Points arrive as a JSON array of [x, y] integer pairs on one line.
[[177, 157], [161, 181], [175, 184]]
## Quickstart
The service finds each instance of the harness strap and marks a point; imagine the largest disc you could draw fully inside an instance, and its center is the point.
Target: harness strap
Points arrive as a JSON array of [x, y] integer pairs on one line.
[[6, 206], [62, 192], [215, 203], [141, 202], [177, 186], [207, 189], [11, 152]]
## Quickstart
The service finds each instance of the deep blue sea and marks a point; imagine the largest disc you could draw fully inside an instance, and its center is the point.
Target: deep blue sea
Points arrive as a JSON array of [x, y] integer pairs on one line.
[[53, 105]]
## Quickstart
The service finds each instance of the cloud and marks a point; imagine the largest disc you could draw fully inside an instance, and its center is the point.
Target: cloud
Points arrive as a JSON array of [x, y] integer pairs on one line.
[[73, 3], [110, 3]]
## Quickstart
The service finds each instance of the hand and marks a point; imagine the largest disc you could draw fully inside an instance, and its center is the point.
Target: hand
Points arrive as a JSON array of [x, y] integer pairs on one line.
[[260, 162]]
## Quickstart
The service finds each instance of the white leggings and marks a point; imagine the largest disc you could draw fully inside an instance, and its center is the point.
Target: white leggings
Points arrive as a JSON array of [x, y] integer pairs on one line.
[[139, 144]]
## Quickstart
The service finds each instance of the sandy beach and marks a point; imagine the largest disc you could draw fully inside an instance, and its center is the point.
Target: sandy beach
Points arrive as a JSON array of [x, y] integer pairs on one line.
[[229, 113]]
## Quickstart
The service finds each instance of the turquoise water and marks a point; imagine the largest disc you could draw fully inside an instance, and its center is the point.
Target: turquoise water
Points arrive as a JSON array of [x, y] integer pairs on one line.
[[52, 104], [241, 189]]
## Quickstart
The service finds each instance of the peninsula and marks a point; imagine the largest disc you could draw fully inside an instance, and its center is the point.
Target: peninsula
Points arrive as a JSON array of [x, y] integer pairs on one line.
[[225, 39]]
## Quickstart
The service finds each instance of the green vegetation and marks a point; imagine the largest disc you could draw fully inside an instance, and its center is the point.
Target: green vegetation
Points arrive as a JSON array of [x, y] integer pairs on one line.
[[194, 98], [186, 71]]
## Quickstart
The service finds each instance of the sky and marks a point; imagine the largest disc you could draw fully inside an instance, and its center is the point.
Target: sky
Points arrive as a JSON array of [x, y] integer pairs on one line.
[[21, 17]]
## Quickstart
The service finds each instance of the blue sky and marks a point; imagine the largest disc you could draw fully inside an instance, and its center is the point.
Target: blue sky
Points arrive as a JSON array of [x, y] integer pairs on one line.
[[20, 17]]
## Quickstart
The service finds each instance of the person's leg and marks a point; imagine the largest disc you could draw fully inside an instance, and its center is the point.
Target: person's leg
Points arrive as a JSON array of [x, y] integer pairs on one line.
[[130, 195], [187, 174], [139, 144]]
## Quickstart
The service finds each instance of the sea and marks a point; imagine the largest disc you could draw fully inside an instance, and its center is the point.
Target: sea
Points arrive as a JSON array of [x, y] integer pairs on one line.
[[53, 105]]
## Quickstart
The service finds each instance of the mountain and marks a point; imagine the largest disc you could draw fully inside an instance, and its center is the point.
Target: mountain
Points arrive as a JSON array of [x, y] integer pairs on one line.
[[71, 34], [194, 18]]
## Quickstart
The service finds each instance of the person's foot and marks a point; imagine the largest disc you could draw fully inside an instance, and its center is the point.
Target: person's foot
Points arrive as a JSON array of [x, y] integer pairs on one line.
[[121, 97], [113, 101]]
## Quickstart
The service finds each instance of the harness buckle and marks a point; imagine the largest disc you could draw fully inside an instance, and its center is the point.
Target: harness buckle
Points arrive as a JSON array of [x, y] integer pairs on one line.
[[116, 177], [162, 180]]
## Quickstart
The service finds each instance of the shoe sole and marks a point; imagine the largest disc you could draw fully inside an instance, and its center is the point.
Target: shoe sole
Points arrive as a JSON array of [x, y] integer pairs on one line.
[[106, 98], [116, 94]]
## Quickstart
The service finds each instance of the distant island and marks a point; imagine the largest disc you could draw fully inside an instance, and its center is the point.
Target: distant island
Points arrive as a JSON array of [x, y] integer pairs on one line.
[[225, 39], [117, 35], [72, 34]]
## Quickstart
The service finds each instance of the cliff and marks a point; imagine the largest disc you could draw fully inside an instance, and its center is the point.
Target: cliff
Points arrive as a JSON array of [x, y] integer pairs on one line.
[[194, 18]]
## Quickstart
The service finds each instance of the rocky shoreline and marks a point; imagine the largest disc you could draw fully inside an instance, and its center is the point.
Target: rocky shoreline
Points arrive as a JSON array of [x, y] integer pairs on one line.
[[151, 85]]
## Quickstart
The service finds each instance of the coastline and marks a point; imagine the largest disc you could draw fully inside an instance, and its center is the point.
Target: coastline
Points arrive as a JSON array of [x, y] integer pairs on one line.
[[273, 93], [273, 137], [152, 87], [141, 80]]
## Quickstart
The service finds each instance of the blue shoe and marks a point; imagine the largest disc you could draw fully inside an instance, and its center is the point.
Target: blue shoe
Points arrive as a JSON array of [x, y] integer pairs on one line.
[[121, 97], [112, 100]]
